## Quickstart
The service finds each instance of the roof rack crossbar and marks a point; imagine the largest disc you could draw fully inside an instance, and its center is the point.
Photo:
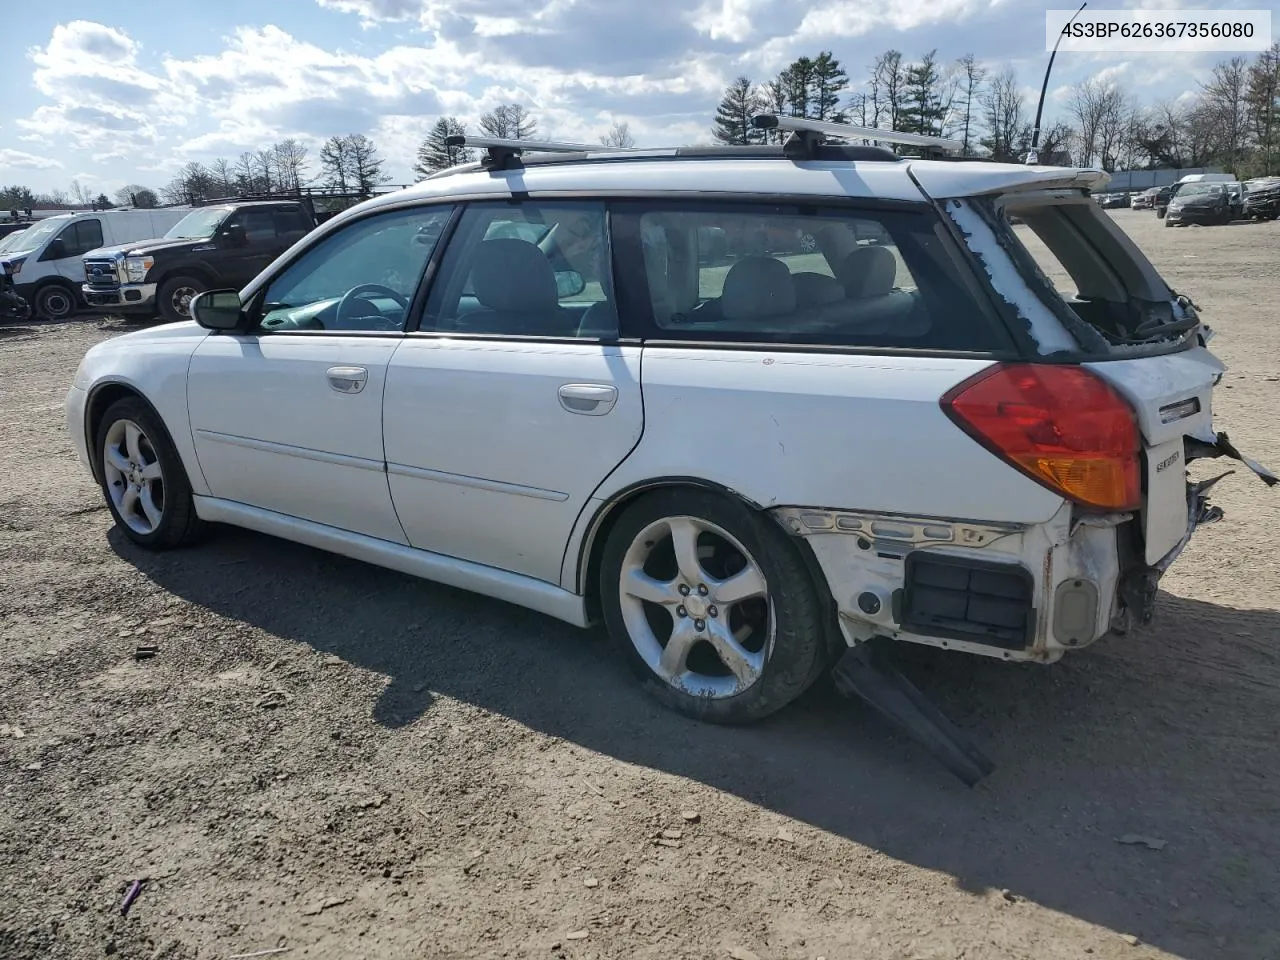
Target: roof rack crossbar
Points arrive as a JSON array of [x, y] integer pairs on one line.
[[502, 153], [808, 134]]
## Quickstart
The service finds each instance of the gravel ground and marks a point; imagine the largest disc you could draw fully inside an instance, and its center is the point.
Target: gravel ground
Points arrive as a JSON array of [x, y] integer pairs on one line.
[[347, 763]]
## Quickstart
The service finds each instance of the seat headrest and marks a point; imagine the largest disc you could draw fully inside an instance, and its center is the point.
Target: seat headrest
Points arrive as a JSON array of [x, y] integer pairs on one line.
[[757, 287], [817, 289], [868, 272], [515, 276]]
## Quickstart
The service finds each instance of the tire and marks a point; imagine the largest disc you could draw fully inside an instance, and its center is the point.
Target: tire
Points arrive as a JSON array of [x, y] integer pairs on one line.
[[54, 302], [140, 469], [175, 295], [785, 649], [1160, 213]]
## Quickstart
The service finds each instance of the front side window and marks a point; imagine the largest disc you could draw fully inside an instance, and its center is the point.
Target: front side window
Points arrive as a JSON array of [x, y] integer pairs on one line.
[[779, 274], [76, 239], [361, 277], [538, 269]]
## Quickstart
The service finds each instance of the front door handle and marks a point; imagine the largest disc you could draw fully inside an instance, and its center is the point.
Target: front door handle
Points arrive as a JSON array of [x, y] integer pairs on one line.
[[347, 379], [589, 399]]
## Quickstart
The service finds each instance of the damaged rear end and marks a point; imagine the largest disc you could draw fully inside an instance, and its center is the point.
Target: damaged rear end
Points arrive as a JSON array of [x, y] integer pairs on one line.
[[1115, 404]]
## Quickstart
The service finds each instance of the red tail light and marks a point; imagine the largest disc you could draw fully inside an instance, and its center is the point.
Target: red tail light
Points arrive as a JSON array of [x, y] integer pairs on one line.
[[1060, 425]]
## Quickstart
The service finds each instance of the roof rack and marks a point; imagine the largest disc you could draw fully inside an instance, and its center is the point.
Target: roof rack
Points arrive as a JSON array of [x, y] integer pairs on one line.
[[503, 154], [807, 135]]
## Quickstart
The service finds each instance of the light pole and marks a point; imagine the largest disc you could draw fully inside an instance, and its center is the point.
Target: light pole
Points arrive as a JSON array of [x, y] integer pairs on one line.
[[1033, 156]]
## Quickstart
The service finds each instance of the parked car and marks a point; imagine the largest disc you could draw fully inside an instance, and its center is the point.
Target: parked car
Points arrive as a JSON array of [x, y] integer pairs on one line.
[[1161, 201], [10, 227], [748, 474], [1262, 202], [1113, 201], [47, 261], [225, 245], [1143, 198], [1202, 203]]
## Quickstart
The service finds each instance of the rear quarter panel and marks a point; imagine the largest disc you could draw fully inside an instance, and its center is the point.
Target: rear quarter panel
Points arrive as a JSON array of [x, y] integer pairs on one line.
[[822, 430]]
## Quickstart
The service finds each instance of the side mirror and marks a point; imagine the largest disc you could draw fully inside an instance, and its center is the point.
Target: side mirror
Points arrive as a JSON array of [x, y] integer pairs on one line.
[[217, 309], [569, 283]]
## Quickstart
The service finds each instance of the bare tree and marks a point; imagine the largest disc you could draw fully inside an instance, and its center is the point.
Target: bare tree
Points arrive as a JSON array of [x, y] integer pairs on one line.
[[80, 194], [774, 97], [509, 121], [290, 159], [888, 79], [224, 176], [1223, 97], [1003, 107], [264, 169], [1263, 100], [135, 195], [335, 163], [972, 75], [619, 136]]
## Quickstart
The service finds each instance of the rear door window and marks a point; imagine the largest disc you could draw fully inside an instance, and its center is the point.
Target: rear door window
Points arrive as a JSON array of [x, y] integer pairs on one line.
[[888, 278]]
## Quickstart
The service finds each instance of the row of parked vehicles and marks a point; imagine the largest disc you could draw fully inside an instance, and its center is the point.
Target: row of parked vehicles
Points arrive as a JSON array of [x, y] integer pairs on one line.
[[1204, 198], [144, 262]]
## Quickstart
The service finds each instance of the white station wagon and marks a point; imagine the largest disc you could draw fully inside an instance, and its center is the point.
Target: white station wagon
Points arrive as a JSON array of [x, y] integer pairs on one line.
[[763, 410]]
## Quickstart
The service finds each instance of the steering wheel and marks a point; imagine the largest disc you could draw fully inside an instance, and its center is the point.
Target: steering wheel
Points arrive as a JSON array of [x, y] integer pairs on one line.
[[358, 292]]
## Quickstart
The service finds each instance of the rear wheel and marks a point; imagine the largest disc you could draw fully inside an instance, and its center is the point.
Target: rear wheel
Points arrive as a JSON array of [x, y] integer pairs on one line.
[[54, 302], [712, 605], [143, 480], [175, 296]]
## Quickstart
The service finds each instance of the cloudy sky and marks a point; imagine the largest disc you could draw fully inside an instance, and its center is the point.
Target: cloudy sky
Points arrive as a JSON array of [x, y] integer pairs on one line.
[[111, 93]]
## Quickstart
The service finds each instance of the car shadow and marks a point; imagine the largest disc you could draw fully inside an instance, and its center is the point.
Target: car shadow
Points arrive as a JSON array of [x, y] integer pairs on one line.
[[1166, 739]]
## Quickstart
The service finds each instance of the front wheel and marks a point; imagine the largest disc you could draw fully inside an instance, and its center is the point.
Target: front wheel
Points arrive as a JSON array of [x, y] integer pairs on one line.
[[143, 480], [712, 605], [175, 296], [54, 302]]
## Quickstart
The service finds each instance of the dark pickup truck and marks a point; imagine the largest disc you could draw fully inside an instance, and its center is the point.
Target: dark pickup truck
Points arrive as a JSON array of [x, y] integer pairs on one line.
[[222, 245]]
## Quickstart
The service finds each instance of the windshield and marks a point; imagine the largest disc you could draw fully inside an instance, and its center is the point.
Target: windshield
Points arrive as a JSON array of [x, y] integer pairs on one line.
[[1201, 189], [199, 225], [12, 240], [32, 237]]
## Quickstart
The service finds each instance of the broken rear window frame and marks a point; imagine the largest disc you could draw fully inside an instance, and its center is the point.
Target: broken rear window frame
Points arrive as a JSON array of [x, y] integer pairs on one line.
[[1092, 346]]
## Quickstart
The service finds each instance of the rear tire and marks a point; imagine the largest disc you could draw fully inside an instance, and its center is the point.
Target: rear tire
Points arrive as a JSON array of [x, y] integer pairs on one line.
[[142, 478], [54, 302], [738, 601], [175, 297]]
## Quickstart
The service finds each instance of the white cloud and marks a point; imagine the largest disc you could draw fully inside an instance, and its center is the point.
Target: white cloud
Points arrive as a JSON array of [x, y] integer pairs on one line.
[[20, 160], [106, 100]]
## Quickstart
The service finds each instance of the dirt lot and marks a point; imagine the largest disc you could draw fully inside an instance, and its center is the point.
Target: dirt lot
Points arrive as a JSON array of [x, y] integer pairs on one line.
[[339, 760]]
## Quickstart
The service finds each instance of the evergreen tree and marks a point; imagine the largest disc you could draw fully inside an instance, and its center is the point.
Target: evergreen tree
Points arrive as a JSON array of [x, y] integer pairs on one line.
[[733, 117], [922, 109], [797, 80], [829, 83], [435, 154]]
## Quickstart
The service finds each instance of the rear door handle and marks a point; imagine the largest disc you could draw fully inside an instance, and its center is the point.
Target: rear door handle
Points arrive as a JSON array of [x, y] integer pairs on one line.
[[589, 399], [347, 379]]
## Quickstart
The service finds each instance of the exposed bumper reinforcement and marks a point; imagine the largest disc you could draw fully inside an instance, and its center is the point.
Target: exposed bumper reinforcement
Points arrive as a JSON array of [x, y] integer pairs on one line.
[[866, 673]]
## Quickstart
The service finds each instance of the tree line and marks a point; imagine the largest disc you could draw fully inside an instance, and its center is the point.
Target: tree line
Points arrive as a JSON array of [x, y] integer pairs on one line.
[[1233, 120]]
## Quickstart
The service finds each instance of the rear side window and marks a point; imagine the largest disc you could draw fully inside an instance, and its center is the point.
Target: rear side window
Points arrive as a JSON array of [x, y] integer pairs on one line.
[[782, 274], [1091, 267], [259, 225], [291, 220]]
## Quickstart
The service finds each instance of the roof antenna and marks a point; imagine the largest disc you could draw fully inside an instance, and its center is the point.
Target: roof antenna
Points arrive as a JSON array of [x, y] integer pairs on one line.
[[1033, 155]]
